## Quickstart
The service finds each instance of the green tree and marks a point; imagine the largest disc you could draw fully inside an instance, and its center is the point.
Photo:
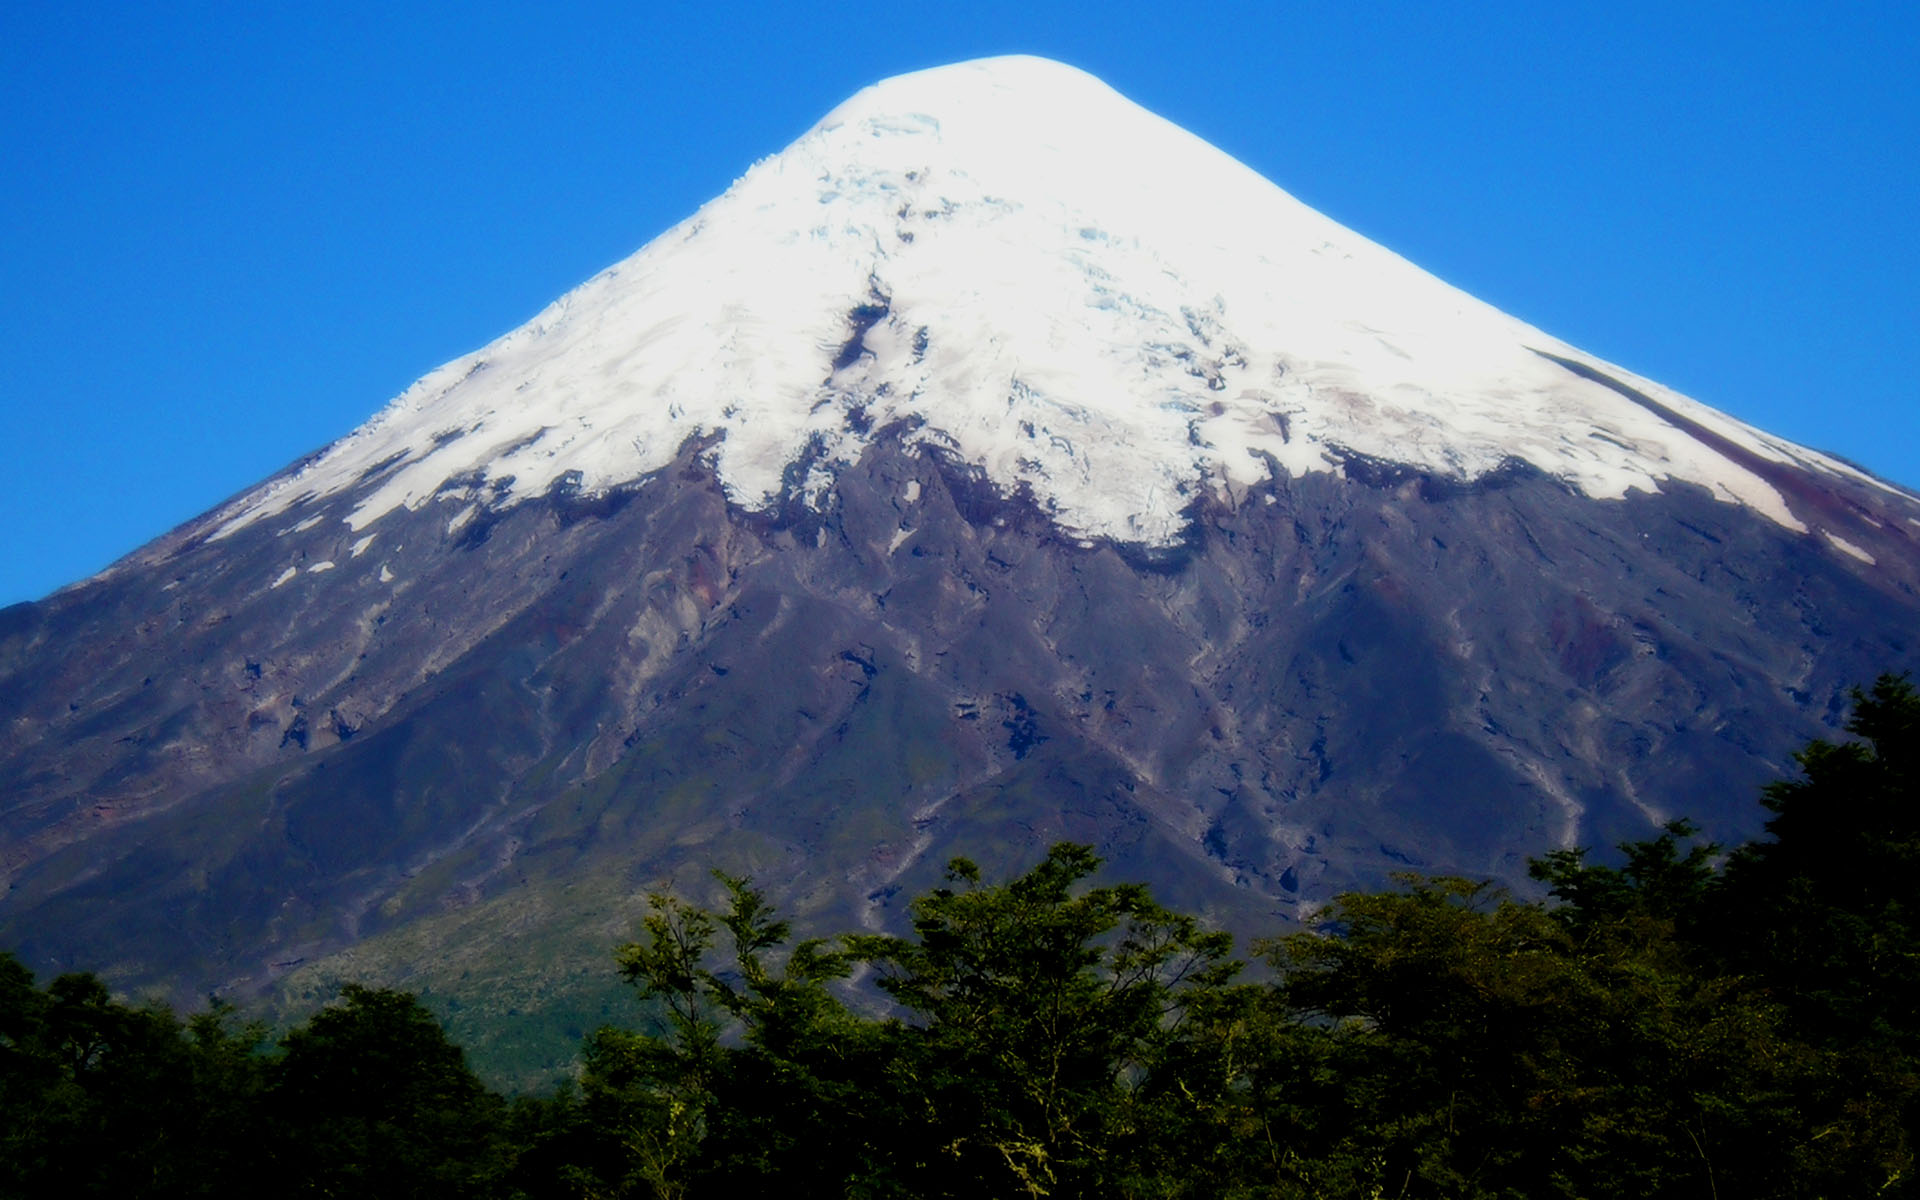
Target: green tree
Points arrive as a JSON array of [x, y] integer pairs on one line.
[[369, 1098], [1492, 1048], [1827, 908], [1658, 885], [100, 1098], [753, 1074], [1036, 1029], [1036, 1011]]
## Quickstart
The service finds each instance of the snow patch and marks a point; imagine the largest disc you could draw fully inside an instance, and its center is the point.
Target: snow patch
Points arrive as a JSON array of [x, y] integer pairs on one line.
[[1847, 547], [360, 547], [285, 575], [318, 567], [1010, 262]]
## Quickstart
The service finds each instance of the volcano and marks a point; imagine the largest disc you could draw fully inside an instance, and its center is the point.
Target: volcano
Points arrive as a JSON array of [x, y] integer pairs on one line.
[[997, 464]]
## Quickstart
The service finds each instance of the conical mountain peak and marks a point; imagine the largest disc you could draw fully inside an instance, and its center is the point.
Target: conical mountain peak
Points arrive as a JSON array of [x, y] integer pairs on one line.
[[1019, 91], [1443, 592], [1007, 259]]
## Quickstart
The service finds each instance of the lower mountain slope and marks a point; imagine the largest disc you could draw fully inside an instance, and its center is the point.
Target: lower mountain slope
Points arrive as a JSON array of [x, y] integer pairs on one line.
[[255, 763]]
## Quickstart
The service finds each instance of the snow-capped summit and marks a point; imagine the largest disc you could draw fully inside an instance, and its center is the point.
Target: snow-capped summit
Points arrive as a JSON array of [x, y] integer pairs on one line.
[[1058, 286]]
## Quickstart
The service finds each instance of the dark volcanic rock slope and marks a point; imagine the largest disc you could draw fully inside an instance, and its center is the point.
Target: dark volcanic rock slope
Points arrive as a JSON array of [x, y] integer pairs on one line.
[[207, 774]]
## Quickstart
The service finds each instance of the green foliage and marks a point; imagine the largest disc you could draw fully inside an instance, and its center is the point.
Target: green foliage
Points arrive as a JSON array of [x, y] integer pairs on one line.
[[370, 1099], [1657, 883], [103, 1098], [1492, 1050], [1827, 910], [1033, 1025], [100, 1098], [1036, 1011]]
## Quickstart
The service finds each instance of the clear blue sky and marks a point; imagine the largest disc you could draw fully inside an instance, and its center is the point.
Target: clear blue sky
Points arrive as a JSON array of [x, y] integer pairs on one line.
[[229, 232]]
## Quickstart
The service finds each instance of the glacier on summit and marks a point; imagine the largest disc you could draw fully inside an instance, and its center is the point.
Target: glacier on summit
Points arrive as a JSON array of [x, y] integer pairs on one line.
[[1007, 259]]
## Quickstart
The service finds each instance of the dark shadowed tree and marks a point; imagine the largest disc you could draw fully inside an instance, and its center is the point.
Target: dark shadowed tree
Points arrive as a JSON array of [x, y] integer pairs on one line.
[[102, 1098], [369, 1098], [1827, 908]]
